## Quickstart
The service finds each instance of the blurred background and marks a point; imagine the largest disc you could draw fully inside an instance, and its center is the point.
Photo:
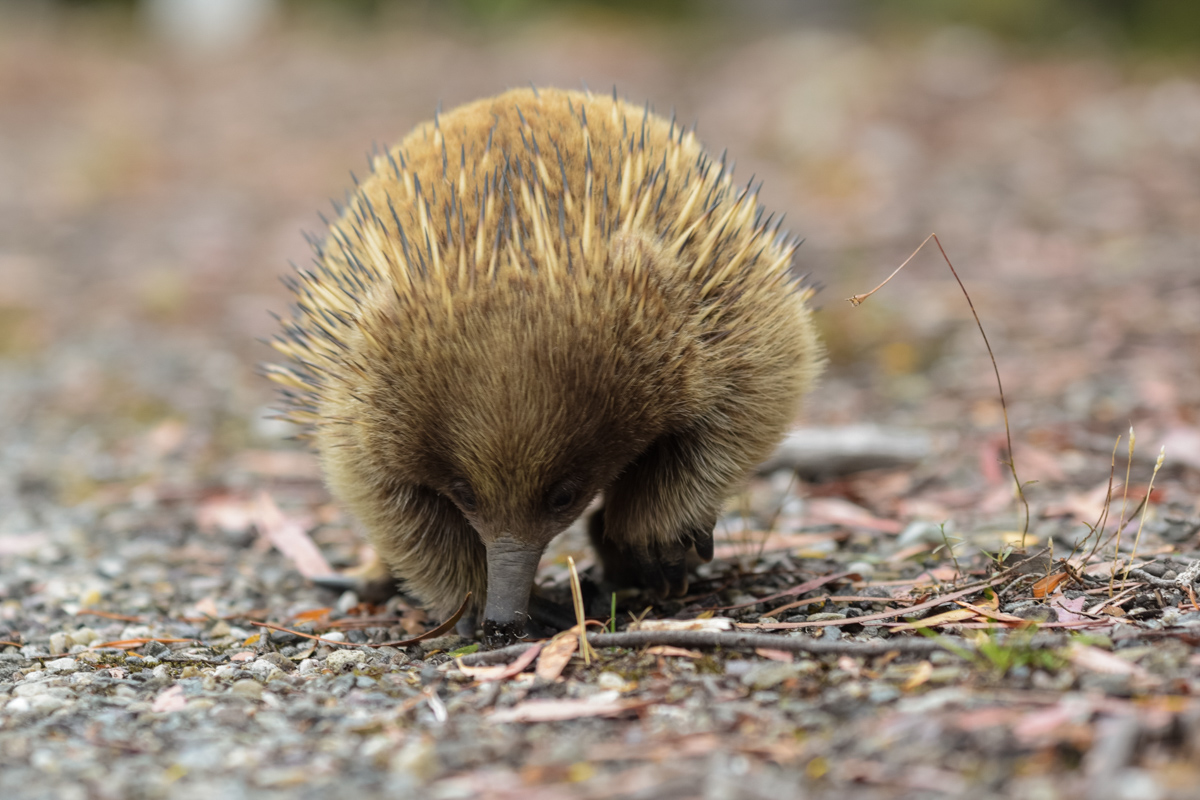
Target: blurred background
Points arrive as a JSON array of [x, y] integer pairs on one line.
[[161, 159]]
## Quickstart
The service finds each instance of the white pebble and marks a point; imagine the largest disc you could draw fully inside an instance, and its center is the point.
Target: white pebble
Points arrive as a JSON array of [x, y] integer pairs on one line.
[[610, 680], [62, 665], [340, 659], [84, 636], [862, 568]]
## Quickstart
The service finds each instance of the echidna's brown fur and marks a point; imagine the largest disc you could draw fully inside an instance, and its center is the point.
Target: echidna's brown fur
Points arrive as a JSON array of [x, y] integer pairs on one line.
[[536, 298]]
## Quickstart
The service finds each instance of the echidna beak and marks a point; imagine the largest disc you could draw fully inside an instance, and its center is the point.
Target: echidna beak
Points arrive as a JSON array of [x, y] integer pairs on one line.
[[511, 566]]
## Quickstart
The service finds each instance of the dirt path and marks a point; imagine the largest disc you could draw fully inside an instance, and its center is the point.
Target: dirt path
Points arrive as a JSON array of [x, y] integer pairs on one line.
[[147, 203]]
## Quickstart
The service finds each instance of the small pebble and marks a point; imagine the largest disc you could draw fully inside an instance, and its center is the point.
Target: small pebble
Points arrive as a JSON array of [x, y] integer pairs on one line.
[[339, 660], [247, 688], [283, 662], [862, 568]]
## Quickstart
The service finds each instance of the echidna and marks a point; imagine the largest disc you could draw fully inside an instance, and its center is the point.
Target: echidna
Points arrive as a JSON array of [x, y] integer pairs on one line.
[[533, 300]]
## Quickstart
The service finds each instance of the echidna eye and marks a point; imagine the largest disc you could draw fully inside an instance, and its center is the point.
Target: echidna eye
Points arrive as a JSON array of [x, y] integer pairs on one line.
[[561, 497], [463, 495]]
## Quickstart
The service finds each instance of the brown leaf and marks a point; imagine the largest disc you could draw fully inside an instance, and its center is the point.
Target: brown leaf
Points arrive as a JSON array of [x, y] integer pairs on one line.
[[555, 656], [920, 675], [1048, 584]]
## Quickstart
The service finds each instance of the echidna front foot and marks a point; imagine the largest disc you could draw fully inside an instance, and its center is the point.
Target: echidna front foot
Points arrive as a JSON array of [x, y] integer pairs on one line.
[[372, 582], [660, 567]]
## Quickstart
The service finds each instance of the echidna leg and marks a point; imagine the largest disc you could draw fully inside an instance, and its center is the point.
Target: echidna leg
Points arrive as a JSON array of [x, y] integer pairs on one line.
[[660, 514], [435, 554]]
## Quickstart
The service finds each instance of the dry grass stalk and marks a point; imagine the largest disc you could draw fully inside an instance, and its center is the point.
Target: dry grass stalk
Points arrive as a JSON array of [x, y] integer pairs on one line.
[[585, 649], [1011, 462]]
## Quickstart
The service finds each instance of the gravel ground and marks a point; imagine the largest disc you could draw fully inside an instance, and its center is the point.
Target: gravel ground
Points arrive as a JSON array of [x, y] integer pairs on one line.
[[148, 199]]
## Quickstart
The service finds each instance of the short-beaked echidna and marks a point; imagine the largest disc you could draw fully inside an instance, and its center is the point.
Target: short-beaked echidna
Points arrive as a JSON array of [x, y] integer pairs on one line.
[[532, 300]]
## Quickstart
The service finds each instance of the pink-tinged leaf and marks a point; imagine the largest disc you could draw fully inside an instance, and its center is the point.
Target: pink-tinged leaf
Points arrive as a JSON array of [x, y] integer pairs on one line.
[[22, 544], [1062, 720], [228, 513], [555, 656], [1097, 660], [775, 655], [245, 655], [169, 700], [501, 672], [289, 538], [558, 710], [842, 512], [1069, 610]]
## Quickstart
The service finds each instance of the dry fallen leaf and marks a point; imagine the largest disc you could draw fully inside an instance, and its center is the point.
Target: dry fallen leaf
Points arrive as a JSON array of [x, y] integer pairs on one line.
[[555, 656], [920, 675], [667, 650], [1048, 584], [289, 538], [1068, 610], [501, 672], [710, 624], [945, 618], [1097, 660], [776, 655], [605, 704], [995, 615]]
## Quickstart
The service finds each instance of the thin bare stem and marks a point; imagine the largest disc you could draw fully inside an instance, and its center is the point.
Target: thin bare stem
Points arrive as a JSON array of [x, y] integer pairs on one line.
[[1011, 462], [1162, 454], [858, 298], [1097, 530], [1124, 504]]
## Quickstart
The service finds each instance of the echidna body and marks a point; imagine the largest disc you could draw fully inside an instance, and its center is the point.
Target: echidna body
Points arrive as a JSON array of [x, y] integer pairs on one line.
[[532, 300]]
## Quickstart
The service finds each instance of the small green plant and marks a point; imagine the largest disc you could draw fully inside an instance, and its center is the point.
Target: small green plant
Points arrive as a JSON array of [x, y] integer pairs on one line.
[[1003, 650], [948, 543]]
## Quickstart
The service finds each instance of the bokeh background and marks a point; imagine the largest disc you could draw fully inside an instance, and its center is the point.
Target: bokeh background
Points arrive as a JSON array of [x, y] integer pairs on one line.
[[160, 161]]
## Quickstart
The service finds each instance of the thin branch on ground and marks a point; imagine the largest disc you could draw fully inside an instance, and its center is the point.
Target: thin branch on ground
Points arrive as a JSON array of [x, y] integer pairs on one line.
[[735, 641]]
